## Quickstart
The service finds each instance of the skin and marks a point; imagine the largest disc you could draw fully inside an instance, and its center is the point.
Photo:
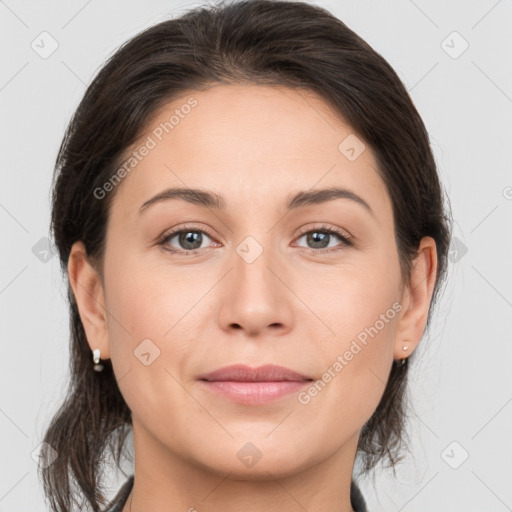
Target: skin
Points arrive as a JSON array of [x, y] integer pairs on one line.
[[292, 306]]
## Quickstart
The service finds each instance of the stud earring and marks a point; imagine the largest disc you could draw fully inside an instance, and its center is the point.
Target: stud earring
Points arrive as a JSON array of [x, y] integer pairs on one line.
[[405, 348], [403, 361], [96, 354]]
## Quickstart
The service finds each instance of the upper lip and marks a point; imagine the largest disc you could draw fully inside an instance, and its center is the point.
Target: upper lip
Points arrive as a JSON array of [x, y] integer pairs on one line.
[[243, 373]]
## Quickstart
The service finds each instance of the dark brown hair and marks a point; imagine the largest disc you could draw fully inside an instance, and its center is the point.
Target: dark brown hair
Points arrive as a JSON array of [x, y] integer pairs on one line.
[[288, 43]]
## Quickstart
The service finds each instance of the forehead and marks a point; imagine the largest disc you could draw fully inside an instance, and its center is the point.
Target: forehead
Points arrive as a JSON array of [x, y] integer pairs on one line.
[[254, 143]]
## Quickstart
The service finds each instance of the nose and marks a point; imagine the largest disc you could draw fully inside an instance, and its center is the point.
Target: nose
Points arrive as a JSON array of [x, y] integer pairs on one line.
[[255, 298]]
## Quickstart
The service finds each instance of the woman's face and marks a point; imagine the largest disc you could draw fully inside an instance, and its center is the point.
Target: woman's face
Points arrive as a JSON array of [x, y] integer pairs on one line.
[[264, 281]]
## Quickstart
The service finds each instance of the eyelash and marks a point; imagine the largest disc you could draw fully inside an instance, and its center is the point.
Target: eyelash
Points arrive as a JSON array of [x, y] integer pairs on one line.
[[346, 241]]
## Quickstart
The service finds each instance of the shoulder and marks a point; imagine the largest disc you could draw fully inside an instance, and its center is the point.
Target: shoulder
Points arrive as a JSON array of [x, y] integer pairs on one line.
[[117, 504], [356, 498]]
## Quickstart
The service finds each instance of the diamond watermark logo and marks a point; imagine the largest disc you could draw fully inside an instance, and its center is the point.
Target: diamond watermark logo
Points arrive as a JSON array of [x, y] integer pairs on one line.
[[351, 147], [44, 45], [146, 352], [249, 455], [454, 455], [454, 45]]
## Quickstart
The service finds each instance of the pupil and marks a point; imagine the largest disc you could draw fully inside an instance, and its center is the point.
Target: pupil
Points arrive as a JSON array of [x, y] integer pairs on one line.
[[189, 237], [314, 236]]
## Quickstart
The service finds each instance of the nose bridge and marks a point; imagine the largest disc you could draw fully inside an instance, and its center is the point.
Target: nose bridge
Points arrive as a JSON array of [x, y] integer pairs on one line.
[[255, 297], [252, 261]]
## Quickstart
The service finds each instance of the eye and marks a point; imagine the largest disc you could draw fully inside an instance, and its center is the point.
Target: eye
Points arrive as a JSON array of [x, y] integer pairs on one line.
[[189, 240], [320, 238]]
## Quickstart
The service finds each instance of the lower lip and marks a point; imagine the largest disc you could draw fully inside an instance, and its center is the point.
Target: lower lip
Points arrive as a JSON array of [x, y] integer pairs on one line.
[[251, 393]]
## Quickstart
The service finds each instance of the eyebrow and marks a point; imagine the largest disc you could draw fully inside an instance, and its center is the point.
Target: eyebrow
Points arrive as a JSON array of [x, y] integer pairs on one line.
[[212, 200]]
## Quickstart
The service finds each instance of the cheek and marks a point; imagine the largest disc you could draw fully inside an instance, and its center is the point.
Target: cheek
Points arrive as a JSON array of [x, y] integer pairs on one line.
[[355, 364], [359, 308], [148, 302], [148, 318], [351, 299]]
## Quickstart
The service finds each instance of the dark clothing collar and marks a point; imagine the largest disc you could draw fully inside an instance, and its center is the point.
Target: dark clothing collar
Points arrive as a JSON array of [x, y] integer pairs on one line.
[[117, 504]]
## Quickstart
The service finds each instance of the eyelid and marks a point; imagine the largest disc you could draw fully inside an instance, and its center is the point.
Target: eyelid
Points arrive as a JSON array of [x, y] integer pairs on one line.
[[176, 231], [344, 237], [324, 227]]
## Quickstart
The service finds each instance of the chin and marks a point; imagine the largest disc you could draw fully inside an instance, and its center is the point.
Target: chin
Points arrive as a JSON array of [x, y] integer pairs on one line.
[[248, 460]]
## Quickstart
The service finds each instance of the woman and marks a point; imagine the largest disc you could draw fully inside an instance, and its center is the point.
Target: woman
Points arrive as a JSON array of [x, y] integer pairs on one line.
[[248, 211]]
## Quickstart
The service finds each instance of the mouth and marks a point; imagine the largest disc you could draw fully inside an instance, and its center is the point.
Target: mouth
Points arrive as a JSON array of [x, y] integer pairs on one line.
[[244, 373], [251, 386]]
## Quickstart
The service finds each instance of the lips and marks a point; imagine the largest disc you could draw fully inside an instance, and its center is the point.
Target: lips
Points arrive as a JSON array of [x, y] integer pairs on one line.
[[265, 373], [248, 386]]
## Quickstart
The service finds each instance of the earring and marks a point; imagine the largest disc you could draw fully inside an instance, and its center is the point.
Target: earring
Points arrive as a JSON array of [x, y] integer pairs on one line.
[[96, 359], [402, 362], [404, 348]]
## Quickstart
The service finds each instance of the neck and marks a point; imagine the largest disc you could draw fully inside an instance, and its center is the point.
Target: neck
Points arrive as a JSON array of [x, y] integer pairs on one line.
[[168, 480]]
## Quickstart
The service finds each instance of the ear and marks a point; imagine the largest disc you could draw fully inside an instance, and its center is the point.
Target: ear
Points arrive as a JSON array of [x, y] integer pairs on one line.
[[416, 299], [89, 296]]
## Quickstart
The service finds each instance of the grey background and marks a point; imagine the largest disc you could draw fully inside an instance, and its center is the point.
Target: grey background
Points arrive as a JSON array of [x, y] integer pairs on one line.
[[460, 386]]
